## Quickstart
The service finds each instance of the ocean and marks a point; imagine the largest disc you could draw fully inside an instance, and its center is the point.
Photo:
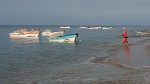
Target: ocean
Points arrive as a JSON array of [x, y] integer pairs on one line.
[[37, 61]]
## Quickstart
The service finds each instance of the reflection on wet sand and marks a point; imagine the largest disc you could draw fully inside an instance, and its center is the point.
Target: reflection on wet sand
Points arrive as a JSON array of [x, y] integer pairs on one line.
[[127, 54], [24, 39]]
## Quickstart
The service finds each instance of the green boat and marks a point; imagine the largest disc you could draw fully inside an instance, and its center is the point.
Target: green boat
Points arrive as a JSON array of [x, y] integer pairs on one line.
[[71, 38]]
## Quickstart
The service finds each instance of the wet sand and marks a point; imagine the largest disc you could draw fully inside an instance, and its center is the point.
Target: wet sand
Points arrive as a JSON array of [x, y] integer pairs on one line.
[[134, 58], [127, 65], [137, 55]]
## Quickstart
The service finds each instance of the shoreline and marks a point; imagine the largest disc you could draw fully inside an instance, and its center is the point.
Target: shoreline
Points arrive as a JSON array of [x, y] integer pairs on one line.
[[133, 62], [125, 65], [136, 54]]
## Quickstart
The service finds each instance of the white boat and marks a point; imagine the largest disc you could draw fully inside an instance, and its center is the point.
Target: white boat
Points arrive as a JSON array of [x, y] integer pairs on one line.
[[65, 27], [25, 33], [139, 33], [83, 27], [93, 27], [71, 38], [53, 33], [108, 28]]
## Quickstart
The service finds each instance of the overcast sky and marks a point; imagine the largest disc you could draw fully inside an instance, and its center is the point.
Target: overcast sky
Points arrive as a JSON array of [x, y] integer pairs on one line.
[[75, 12]]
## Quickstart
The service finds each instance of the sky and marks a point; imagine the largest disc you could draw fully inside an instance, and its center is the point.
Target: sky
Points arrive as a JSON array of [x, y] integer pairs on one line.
[[74, 12]]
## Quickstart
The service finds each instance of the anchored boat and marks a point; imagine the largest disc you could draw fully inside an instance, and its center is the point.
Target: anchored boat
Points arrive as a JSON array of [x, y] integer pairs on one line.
[[71, 38], [53, 33], [25, 33], [65, 27]]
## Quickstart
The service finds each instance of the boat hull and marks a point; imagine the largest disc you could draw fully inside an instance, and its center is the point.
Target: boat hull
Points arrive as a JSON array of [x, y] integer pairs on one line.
[[105, 28], [71, 38], [93, 27], [23, 35], [65, 27], [83, 27]]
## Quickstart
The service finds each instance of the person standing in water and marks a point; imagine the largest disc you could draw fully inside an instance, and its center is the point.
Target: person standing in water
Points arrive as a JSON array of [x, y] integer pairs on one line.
[[124, 37]]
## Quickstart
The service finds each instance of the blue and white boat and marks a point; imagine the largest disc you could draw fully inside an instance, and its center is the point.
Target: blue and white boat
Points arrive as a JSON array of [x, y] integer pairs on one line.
[[71, 38]]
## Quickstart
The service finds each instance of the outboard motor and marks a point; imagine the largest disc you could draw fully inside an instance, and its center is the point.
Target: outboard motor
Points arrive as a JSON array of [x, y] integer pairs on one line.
[[77, 34]]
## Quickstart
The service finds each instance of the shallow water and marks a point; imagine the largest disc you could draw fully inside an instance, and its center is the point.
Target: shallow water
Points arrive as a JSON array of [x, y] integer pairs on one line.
[[89, 61]]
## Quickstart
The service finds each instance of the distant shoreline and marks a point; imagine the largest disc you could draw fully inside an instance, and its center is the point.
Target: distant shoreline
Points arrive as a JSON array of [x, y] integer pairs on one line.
[[70, 25]]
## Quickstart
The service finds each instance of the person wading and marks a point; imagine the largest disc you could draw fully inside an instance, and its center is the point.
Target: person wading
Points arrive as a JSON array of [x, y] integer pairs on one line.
[[124, 37]]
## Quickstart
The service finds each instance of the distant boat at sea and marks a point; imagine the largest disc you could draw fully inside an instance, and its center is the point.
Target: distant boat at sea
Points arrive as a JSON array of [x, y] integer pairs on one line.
[[25, 33], [71, 38], [65, 27], [139, 33], [53, 33], [93, 27], [108, 28], [83, 27]]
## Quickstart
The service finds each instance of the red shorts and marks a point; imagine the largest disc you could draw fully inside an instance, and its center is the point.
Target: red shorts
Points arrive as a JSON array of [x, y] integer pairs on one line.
[[125, 40]]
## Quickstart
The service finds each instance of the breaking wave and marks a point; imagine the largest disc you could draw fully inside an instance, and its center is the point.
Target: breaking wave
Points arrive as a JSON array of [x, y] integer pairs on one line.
[[107, 60]]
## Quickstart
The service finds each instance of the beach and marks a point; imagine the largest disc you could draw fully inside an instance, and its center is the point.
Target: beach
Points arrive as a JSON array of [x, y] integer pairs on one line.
[[136, 55], [131, 63], [97, 58], [135, 59], [34, 50]]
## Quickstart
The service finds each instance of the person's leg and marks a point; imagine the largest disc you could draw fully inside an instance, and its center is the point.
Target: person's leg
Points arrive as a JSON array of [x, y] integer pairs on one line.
[[126, 42], [122, 44], [123, 41]]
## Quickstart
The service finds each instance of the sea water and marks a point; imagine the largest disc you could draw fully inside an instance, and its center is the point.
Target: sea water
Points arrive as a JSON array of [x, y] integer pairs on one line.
[[37, 61]]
